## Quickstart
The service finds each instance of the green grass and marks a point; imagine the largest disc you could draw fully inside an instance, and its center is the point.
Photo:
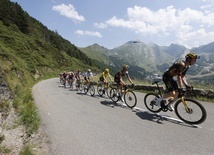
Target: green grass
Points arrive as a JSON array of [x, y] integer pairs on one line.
[[27, 110], [26, 150], [4, 150]]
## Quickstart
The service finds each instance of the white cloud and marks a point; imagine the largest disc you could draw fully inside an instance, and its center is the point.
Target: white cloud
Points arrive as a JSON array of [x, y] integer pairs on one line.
[[68, 11], [89, 33], [100, 25], [185, 25]]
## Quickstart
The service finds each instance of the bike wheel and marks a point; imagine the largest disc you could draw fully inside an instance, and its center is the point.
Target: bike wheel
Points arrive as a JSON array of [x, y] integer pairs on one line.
[[194, 113], [85, 89], [113, 95], [108, 89], [150, 103], [92, 90], [61, 81], [130, 99], [100, 89]]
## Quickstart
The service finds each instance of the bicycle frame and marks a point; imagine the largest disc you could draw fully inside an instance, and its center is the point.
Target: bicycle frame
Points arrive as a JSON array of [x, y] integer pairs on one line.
[[159, 91]]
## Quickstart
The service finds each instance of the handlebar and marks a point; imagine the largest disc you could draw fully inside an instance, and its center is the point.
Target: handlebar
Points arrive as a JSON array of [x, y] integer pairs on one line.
[[185, 91]]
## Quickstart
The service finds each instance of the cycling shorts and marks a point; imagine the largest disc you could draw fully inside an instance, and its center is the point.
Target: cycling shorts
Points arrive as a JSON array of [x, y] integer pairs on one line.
[[170, 83]]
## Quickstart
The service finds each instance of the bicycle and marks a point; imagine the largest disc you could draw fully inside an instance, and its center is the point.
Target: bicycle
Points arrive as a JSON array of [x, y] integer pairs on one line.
[[104, 88], [187, 109], [128, 96], [61, 79], [79, 85], [90, 88]]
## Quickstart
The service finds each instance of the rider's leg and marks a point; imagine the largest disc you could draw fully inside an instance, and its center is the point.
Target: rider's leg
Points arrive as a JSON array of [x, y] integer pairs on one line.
[[172, 87]]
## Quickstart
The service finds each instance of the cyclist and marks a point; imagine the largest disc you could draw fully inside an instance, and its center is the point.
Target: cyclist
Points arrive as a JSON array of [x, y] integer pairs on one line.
[[104, 75], [64, 75], [78, 77], [71, 78], [118, 78], [87, 76], [178, 69]]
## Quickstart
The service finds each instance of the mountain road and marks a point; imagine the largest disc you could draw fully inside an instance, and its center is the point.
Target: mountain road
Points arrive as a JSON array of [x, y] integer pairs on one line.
[[81, 124]]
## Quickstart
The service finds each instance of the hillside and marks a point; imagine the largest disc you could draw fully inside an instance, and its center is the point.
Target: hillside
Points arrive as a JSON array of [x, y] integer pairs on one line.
[[29, 52]]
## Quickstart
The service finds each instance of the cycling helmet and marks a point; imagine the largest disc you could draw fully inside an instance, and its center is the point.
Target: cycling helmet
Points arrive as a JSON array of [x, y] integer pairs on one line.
[[89, 70], [107, 70], [125, 66], [192, 56]]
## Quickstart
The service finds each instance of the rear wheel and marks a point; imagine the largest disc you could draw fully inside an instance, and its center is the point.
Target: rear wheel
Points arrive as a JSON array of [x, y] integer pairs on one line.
[[100, 89], [85, 89], [81, 87], [113, 95], [149, 101]]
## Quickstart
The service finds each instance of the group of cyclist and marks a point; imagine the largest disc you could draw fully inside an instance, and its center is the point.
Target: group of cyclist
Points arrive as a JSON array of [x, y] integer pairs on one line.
[[178, 69]]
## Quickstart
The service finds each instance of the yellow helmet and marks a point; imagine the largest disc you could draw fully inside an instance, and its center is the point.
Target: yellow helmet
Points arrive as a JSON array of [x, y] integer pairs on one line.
[[192, 55], [125, 66], [107, 70]]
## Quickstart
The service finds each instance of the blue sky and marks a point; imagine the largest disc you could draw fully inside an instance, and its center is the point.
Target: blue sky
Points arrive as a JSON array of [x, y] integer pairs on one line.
[[111, 23]]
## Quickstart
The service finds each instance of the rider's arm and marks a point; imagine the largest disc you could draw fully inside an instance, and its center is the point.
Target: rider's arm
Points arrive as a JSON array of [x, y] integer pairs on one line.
[[185, 81], [128, 77], [181, 81], [92, 76], [110, 77]]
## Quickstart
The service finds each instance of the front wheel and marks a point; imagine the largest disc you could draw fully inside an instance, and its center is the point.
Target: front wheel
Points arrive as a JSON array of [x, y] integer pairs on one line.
[[149, 101], [192, 113], [130, 99]]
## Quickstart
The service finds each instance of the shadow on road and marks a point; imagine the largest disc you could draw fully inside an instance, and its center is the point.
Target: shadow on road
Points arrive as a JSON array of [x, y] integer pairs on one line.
[[112, 104], [108, 103], [146, 115]]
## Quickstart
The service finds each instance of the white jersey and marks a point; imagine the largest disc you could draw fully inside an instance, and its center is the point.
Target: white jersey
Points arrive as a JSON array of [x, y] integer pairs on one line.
[[88, 74]]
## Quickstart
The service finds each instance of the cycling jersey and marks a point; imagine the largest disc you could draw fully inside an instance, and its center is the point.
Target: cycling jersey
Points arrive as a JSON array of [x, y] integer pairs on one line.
[[104, 74], [176, 69], [64, 75], [71, 76], [87, 75], [77, 75], [120, 74]]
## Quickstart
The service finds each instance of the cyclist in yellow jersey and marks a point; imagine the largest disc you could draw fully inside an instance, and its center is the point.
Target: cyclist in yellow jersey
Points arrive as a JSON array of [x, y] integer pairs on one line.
[[178, 69], [104, 75]]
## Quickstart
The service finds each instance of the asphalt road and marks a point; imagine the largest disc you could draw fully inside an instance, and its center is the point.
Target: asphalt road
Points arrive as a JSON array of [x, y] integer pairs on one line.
[[79, 124]]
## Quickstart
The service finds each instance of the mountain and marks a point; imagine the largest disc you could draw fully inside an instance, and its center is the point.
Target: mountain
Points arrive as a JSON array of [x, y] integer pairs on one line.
[[148, 59], [140, 54], [173, 49]]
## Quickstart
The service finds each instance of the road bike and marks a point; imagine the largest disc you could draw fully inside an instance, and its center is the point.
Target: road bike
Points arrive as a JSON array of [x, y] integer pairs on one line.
[[104, 88], [61, 79], [186, 108], [89, 88], [79, 85], [128, 96]]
